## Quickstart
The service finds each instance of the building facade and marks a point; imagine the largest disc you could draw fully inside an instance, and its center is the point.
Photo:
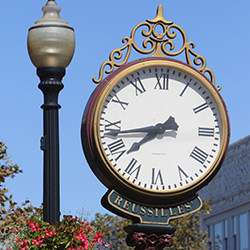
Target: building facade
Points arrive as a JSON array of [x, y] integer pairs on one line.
[[228, 224]]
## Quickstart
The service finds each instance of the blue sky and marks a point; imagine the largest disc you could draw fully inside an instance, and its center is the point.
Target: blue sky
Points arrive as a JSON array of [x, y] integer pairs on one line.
[[219, 29]]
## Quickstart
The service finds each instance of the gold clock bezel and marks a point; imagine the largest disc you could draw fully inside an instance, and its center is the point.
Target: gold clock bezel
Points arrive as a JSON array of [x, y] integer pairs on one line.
[[123, 183]]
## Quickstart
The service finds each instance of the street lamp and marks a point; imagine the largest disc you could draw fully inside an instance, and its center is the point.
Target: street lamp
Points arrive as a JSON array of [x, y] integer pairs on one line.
[[51, 45]]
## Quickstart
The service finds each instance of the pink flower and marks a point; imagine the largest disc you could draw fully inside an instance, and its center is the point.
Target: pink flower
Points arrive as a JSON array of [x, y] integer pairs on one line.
[[24, 245], [50, 233], [14, 230], [40, 237], [17, 238], [34, 242], [33, 226], [86, 246], [81, 237]]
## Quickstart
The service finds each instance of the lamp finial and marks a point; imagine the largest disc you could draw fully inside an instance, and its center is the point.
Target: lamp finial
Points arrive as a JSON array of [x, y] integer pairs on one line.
[[51, 40]]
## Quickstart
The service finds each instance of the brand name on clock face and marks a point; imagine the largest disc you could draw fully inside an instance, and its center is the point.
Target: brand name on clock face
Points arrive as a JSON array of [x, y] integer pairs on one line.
[[152, 214], [159, 154]]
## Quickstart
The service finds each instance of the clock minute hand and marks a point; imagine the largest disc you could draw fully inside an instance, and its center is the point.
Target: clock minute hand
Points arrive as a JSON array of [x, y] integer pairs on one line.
[[148, 137], [136, 130], [159, 128]]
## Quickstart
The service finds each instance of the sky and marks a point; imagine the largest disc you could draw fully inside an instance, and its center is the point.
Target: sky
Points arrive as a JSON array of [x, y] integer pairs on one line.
[[219, 29]]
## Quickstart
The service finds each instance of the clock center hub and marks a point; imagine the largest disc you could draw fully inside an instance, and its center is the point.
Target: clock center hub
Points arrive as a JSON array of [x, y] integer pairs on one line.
[[159, 128]]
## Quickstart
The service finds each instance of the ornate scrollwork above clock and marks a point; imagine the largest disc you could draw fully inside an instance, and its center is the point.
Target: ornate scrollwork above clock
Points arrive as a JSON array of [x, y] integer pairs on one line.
[[158, 44]]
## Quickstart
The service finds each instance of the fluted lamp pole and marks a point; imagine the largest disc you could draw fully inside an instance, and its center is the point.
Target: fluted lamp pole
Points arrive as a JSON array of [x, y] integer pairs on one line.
[[51, 45]]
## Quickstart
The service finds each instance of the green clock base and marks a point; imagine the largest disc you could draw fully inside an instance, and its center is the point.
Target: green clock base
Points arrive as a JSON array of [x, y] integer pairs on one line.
[[140, 212], [149, 236]]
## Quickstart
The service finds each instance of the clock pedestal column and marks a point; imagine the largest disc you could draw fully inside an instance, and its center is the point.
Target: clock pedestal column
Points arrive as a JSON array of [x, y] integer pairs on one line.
[[149, 237]]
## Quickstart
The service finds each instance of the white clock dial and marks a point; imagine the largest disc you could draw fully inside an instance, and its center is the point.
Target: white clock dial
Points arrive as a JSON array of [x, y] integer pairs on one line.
[[160, 128]]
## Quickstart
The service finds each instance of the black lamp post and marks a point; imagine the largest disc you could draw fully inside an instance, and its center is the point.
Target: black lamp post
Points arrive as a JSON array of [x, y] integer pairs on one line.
[[51, 44]]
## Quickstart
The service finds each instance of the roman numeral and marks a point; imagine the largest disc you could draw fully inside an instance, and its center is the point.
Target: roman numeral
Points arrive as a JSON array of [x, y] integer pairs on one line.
[[156, 177], [206, 132], [182, 173], [112, 125], [139, 88], [199, 155], [185, 88], [200, 108], [133, 167], [117, 147], [162, 84], [122, 103]]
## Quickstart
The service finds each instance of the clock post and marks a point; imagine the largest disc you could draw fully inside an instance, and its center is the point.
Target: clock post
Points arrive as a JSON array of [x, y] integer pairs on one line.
[[153, 160]]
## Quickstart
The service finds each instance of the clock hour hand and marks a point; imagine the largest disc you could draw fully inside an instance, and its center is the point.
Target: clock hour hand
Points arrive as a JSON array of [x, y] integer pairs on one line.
[[158, 129], [148, 137]]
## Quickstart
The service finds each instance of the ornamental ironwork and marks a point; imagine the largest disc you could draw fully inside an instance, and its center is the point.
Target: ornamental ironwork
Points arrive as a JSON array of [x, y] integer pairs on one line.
[[158, 44]]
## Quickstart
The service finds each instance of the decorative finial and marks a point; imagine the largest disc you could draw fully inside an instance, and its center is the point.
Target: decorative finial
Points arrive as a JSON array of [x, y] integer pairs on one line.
[[159, 17]]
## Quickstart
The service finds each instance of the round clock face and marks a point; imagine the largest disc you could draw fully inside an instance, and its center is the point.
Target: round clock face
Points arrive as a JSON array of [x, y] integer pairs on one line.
[[159, 128]]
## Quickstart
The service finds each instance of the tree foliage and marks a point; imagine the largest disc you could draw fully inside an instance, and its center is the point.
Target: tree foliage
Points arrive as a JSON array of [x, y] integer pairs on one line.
[[188, 235], [112, 228], [11, 214]]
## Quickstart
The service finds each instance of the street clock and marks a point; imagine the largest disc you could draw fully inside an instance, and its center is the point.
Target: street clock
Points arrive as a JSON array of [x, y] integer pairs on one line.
[[156, 129]]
